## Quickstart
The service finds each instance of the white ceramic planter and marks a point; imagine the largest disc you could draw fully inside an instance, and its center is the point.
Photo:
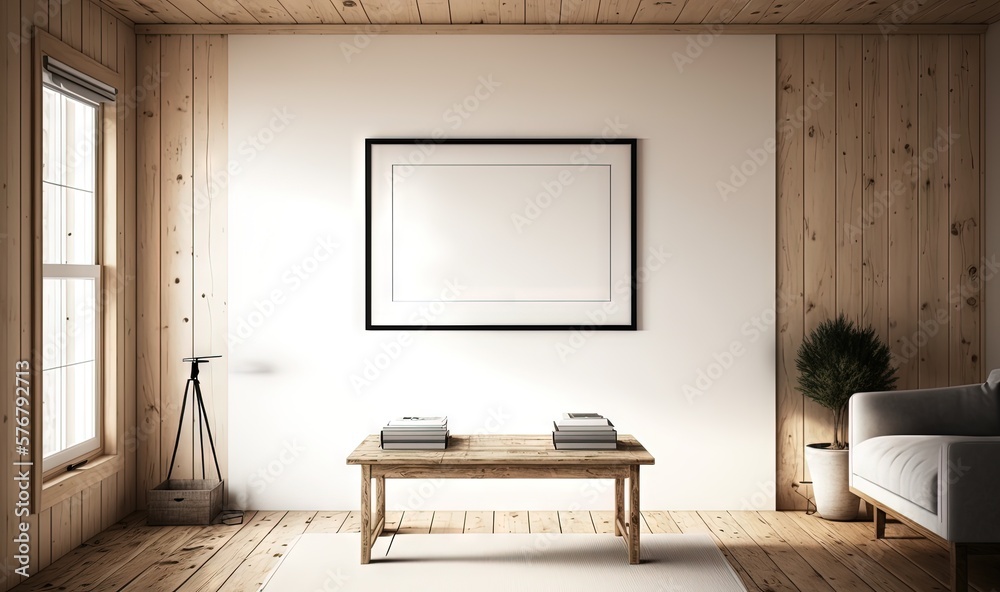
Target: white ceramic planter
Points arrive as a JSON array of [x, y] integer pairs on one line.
[[831, 485]]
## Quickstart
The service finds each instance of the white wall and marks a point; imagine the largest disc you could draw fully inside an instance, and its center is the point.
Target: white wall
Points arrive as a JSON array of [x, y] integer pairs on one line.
[[991, 214], [300, 109]]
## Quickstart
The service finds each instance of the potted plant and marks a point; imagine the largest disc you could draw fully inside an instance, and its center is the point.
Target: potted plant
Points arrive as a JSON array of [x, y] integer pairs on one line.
[[835, 361]]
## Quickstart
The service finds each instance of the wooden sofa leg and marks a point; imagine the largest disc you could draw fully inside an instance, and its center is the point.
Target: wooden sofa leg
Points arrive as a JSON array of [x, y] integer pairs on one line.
[[879, 523], [959, 568]]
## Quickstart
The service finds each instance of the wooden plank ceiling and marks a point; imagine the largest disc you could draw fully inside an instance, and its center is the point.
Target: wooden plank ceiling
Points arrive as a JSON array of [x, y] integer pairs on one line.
[[462, 12]]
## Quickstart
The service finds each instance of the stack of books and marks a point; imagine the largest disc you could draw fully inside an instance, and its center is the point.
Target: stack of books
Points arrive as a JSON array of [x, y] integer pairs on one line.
[[416, 433], [584, 431]]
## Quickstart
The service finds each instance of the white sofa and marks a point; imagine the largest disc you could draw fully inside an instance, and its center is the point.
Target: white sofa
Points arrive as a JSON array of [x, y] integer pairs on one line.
[[931, 458]]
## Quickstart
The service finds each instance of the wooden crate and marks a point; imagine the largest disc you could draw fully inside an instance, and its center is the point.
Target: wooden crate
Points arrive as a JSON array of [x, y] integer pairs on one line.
[[184, 502]]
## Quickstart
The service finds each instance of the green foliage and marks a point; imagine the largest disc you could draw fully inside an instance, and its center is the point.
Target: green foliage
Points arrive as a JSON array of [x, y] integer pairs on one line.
[[839, 359]]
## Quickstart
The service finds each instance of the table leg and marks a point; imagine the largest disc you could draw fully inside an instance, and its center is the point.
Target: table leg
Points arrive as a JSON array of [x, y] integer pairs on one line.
[[633, 509], [366, 513], [619, 506], [379, 506]]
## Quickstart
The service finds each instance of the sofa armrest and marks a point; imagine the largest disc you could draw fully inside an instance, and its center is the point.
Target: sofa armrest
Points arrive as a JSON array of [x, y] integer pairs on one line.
[[970, 410], [969, 489]]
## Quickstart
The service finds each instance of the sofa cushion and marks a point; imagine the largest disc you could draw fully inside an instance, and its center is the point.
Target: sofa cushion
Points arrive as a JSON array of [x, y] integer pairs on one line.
[[905, 465]]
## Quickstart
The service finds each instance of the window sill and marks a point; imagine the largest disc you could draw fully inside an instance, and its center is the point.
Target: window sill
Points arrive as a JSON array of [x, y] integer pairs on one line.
[[61, 487]]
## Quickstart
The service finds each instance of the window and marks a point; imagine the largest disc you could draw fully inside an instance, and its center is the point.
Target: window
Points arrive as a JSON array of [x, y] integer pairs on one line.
[[71, 277]]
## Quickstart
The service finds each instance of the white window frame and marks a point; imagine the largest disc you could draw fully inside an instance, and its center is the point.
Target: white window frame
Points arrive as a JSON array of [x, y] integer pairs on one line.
[[93, 446], [116, 291]]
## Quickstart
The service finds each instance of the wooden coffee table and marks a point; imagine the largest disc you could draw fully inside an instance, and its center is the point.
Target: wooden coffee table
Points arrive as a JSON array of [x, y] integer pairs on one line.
[[500, 457]]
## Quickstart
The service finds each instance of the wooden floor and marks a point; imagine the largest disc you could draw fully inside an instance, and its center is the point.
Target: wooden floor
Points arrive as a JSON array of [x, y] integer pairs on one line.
[[769, 550]]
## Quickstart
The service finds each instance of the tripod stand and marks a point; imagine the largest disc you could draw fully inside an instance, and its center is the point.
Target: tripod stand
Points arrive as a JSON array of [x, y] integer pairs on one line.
[[201, 415]]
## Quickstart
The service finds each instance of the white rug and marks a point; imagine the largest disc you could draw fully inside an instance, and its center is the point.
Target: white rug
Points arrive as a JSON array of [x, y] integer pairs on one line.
[[503, 562]]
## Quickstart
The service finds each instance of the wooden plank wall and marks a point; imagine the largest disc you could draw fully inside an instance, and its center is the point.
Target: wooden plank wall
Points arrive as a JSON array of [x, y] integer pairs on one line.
[[880, 201], [182, 159], [66, 518]]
